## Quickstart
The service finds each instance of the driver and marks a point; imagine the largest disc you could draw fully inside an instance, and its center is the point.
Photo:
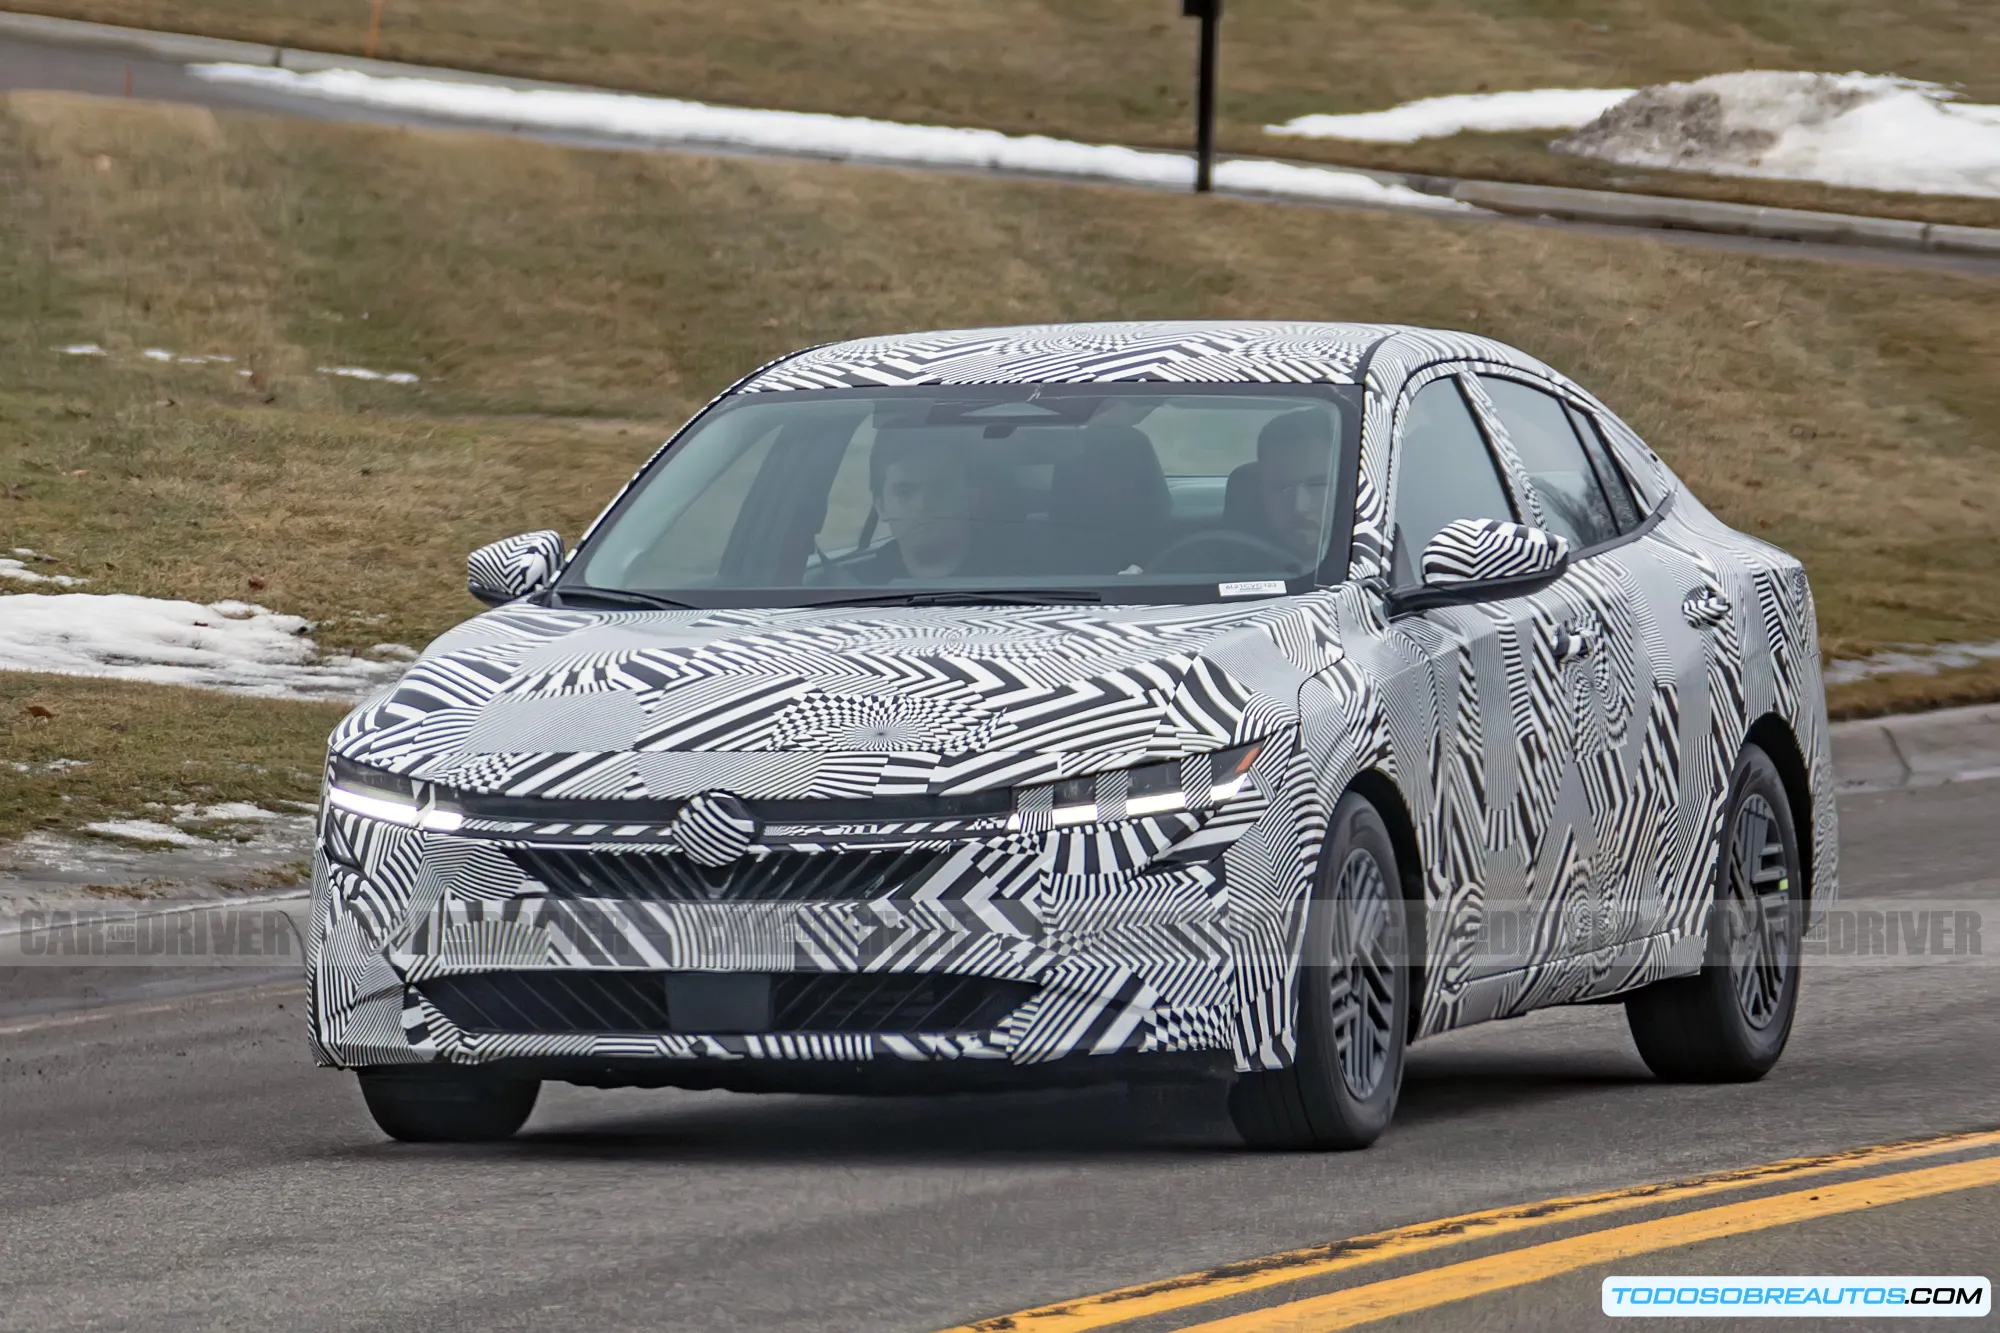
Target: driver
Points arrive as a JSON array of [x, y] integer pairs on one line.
[[925, 494], [1294, 457]]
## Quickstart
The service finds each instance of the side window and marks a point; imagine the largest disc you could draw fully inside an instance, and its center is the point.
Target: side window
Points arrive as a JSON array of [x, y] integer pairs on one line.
[[1624, 501], [1444, 471], [1572, 502]]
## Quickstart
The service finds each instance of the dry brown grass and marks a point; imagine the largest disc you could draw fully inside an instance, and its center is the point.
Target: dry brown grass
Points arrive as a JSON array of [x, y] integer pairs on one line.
[[147, 744], [1916, 693], [565, 307], [1120, 70]]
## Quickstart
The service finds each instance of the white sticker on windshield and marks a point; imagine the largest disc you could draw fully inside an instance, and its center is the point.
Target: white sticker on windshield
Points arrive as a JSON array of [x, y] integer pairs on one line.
[[1251, 588]]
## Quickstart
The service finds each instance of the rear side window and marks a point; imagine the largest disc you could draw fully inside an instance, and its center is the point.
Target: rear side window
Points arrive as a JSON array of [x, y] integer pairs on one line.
[[1444, 472], [1572, 499], [1617, 486]]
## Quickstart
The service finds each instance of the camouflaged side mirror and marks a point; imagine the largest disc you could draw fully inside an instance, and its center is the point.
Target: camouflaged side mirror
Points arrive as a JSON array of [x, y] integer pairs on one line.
[[513, 567], [1470, 554]]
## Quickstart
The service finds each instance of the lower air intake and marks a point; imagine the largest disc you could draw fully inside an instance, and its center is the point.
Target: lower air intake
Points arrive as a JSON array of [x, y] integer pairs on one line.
[[573, 1002]]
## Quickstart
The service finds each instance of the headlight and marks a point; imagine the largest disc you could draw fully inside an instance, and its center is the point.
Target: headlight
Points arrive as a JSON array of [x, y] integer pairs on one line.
[[1152, 789], [374, 793]]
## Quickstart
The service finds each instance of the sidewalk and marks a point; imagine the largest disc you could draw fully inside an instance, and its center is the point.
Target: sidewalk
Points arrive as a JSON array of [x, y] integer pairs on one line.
[[1917, 749]]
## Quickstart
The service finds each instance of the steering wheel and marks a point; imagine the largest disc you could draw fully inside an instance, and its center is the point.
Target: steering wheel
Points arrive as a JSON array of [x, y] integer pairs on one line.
[[1248, 543]]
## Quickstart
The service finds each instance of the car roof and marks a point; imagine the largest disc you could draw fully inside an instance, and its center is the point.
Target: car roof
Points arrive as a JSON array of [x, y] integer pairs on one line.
[[1170, 351]]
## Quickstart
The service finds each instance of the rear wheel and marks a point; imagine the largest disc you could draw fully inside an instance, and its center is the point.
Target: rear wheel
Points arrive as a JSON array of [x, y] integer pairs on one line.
[[446, 1103], [1353, 1002], [1730, 1022]]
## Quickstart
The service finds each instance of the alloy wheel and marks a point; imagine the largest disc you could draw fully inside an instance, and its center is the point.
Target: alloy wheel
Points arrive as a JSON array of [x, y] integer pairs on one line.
[[1758, 919], [1363, 980]]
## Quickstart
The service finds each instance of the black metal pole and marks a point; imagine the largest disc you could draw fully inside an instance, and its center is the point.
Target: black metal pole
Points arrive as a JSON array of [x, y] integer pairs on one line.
[[1210, 14]]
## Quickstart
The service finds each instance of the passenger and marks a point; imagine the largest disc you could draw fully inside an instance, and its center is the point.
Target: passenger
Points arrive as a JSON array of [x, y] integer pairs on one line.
[[1294, 458]]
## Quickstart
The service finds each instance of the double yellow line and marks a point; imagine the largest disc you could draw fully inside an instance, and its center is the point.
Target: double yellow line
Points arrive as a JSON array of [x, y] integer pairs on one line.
[[1512, 1268]]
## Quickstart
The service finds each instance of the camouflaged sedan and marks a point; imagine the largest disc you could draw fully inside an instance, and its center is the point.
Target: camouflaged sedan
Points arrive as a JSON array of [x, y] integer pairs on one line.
[[977, 709]]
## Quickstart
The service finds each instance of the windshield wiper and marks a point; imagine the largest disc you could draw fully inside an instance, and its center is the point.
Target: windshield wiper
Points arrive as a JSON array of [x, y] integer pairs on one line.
[[970, 597], [617, 597]]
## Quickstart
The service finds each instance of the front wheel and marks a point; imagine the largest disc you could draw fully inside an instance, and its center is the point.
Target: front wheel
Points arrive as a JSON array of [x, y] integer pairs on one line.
[[1353, 1001], [446, 1103], [1729, 1023]]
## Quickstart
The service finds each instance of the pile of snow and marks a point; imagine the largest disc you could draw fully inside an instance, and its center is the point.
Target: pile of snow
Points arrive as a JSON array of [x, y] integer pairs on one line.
[[1866, 131], [1442, 117], [667, 120], [229, 646]]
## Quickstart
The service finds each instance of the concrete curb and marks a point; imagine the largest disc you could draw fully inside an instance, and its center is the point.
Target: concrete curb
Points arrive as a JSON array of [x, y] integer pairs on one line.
[[1661, 213], [1917, 749], [1638, 211]]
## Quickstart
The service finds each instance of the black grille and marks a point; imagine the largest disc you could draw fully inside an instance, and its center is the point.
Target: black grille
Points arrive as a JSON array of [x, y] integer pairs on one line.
[[567, 1002], [780, 877]]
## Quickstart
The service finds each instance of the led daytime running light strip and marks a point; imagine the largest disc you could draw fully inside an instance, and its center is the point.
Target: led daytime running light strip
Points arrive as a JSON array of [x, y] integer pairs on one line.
[[1157, 803], [372, 805], [1165, 803]]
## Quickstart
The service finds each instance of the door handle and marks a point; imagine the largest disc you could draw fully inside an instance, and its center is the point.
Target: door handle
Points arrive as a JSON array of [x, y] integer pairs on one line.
[[1579, 640], [1706, 606]]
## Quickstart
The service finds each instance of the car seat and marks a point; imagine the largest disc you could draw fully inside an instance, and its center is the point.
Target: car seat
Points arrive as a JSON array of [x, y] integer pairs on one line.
[[1108, 503]]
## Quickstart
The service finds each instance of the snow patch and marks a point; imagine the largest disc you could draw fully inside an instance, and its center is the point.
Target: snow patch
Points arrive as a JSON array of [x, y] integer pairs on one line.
[[161, 354], [1909, 659], [1441, 117], [232, 646], [145, 830], [667, 120], [229, 811], [52, 766], [20, 573], [1863, 131], [363, 373]]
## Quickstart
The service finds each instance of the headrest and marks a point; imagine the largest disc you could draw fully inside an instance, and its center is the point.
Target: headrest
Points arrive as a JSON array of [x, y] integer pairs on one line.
[[1113, 475], [1242, 508]]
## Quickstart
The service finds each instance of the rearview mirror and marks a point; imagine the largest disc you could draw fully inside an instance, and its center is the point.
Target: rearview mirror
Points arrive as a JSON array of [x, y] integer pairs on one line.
[[1471, 555], [513, 567]]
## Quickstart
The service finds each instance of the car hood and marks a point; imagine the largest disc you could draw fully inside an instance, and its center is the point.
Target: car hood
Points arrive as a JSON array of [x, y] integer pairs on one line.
[[801, 702]]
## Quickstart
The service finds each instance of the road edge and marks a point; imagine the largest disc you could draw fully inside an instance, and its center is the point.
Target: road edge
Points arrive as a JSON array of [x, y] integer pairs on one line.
[[1917, 749]]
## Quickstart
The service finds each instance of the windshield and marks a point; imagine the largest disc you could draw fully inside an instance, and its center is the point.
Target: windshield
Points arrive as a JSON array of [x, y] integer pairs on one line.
[[995, 492]]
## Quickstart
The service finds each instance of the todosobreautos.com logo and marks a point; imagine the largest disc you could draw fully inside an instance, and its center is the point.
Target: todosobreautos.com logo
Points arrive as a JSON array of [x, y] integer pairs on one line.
[[1792, 1297]]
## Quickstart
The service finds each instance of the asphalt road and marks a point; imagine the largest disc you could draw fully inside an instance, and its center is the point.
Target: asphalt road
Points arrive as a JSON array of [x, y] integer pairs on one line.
[[178, 1163], [26, 64]]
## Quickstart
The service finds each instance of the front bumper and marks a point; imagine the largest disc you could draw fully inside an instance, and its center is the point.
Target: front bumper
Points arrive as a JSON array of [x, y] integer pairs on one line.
[[881, 945]]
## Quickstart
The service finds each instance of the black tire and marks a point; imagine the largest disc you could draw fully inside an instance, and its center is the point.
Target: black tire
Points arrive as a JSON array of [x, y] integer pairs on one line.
[[446, 1103], [1354, 1002], [1729, 1023]]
